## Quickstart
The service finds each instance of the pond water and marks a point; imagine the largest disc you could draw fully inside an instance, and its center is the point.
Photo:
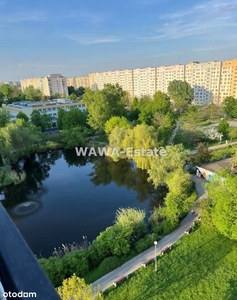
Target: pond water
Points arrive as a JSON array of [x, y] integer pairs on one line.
[[65, 197]]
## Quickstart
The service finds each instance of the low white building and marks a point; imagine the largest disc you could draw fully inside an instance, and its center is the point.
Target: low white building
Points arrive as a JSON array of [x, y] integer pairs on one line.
[[48, 107]]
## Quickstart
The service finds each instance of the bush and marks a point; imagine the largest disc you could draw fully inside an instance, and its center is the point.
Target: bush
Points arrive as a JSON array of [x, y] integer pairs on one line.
[[109, 264], [169, 225], [222, 153], [54, 268], [76, 263], [145, 243]]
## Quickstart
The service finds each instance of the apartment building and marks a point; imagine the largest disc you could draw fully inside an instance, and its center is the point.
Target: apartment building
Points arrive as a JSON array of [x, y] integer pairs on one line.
[[48, 107], [49, 85], [228, 81], [11, 83], [166, 74], [204, 78], [80, 81], [144, 82]]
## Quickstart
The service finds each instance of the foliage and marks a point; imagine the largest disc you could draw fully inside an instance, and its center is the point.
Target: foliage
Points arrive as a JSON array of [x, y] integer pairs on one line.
[[222, 191], [41, 121], [104, 104], [181, 93], [75, 288], [212, 134], [75, 136], [145, 243], [77, 92], [183, 275], [72, 118], [4, 116], [233, 133], [229, 106], [32, 94], [221, 153], [113, 122], [175, 158], [223, 126], [6, 90], [131, 218], [192, 116], [202, 155], [18, 139], [54, 268], [23, 116], [76, 262]]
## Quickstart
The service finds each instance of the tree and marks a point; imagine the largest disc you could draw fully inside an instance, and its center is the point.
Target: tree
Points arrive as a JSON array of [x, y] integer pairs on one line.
[[73, 97], [191, 116], [72, 118], [6, 90], [75, 288], [23, 116], [71, 90], [113, 122], [4, 116], [229, 106], [222, 190], [161, 102], [223, 126], [233, 133], [104, 104], [42, 121], [33, 94], [75, 136], [202, 155], [181, 93]]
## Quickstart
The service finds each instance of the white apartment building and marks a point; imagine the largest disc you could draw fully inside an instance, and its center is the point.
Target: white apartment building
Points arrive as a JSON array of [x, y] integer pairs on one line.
[[144, 82], [49, 85], [166, 74], [204, 78]]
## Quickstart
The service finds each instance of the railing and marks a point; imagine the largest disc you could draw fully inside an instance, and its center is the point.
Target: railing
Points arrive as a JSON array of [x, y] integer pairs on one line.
[[20, 271]]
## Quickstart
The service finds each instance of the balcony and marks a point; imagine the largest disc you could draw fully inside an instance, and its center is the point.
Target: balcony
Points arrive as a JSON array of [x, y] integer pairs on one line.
[[19, 268]]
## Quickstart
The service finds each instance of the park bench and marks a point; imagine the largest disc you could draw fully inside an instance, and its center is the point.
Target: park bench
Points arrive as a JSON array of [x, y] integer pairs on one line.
[[146, 263], [165, 250], [120, 280]]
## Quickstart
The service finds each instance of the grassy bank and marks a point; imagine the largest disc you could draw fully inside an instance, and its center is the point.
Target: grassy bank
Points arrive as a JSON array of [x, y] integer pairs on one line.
[[201, 266]]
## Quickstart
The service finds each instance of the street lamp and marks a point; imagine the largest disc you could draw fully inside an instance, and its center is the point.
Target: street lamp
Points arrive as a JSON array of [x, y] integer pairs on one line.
[[155, 243]]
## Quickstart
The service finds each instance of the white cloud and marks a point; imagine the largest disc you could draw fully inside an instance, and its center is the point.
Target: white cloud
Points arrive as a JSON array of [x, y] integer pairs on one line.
[[19, 17], [215, 18], [92, 40]]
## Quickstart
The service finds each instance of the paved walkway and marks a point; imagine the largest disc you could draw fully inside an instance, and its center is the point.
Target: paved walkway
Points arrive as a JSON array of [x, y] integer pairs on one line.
[[216, 147], [174, 133], [135, 263]]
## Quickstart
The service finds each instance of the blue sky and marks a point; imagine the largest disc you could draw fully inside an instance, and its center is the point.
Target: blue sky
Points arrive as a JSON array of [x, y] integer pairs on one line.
[[77, 37]]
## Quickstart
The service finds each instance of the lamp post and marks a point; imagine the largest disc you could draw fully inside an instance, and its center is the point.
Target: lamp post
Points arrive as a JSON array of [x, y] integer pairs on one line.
[[155, 243]]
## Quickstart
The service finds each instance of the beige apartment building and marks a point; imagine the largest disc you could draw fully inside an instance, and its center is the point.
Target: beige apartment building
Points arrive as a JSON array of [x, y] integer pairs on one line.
[[204, 78], [144, 82], [80, 81], [228, 81], [49, 85], [166, 74]]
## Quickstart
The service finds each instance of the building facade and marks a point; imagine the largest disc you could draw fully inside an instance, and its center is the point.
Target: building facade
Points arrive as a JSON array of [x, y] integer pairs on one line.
[[49, 85], [204, 78], [228, 81], [144, 82], [43, 107], [80, 81], [166, 74]]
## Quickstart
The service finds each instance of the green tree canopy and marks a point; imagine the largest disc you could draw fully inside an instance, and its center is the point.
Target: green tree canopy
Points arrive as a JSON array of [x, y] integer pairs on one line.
[[42, 121], [222, 191], [23, 116], [229, 106], [223, 126], [33, 94], [4, 116], [113, 122], [6, 90], [181, 93]]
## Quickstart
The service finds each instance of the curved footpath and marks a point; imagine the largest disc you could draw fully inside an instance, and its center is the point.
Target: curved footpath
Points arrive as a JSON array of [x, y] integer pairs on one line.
[[135, 263]]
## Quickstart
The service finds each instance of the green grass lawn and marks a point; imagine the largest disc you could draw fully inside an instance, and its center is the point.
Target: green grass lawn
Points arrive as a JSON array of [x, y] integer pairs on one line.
[[201, 266]]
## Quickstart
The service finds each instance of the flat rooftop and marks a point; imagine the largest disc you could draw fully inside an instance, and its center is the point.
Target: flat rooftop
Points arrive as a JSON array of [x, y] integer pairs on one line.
[[217, 165], [42, 103]]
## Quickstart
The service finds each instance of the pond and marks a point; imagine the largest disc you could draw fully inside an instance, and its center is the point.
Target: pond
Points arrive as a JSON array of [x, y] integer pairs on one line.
[[65, 198]]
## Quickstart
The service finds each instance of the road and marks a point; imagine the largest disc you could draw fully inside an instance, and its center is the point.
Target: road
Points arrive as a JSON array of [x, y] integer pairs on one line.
[[135, 263], [216, 147]]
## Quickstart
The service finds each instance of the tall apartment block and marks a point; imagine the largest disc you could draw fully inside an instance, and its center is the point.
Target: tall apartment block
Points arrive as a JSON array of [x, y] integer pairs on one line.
[[49, 85], [228, 81], [204, 78], [144, 82], [80, 81], [166, 74]]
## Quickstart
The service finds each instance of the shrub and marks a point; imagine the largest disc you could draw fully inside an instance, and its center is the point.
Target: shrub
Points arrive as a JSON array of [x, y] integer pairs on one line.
[[76, 262], [54, 268], [109, 264], [145, 243]]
